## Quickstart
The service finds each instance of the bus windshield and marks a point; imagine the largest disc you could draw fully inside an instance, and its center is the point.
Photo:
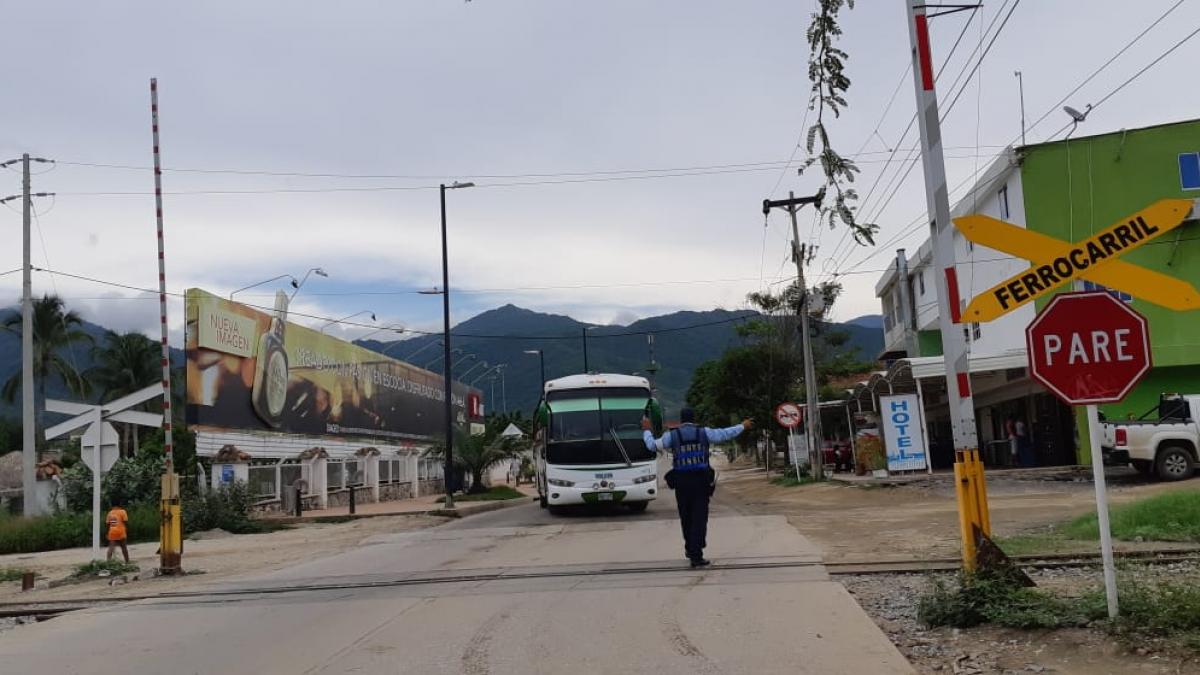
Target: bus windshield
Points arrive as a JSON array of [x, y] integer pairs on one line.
[[583, 424]]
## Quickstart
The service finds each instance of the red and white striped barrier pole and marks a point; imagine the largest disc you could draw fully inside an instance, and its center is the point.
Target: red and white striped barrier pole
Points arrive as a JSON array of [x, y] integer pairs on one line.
[[171, 529]]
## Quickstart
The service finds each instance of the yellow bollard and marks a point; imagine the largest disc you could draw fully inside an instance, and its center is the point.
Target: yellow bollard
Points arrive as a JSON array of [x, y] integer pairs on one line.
[[981, 499], [170, 540], [965, 492]]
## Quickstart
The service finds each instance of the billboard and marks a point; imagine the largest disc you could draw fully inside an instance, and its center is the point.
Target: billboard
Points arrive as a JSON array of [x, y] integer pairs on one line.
[[900, 419], [250, 370]]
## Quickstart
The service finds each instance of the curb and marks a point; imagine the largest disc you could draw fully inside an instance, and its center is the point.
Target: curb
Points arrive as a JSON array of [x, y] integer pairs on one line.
[[470, 508]]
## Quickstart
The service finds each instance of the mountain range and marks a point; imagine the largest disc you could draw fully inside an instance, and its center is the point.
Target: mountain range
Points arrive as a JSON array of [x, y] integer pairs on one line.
[[683, 341]]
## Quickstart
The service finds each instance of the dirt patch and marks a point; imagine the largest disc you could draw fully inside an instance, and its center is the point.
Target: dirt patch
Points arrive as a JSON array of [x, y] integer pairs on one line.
[[919, 520], [217, 557]]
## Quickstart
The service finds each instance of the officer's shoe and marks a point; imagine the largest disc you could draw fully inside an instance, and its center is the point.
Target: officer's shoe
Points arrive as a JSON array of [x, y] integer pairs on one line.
[[700, 562]]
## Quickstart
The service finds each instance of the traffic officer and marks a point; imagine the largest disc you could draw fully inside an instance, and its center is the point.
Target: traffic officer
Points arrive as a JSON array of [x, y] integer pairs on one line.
[[691, 476]]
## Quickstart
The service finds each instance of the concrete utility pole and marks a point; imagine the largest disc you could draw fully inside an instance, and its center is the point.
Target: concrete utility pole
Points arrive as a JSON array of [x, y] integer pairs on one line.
[[28, 414], [813, 413], [907, 315], [954, 342]]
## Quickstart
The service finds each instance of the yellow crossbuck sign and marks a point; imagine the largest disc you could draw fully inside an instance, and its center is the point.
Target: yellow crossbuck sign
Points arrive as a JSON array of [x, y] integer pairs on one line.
[[1057, 262]]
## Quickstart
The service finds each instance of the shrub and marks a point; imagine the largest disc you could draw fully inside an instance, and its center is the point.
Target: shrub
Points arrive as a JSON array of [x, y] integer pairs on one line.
[[131, 480], [227, 507], [984, 598], [70, 530]]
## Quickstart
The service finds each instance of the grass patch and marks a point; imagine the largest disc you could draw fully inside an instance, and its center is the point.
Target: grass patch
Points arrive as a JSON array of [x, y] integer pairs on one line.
[[975, 599], [95, 567], [497, 493], [8, 574], [1171, 516], [69, 530], [790, 480], [1041, 543], [1162, 616]]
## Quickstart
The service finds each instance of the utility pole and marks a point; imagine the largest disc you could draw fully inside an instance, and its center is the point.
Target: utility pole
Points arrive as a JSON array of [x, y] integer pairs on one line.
[[651, 369], [907, 316], [28, 414], [584, 330], [813, 413], [954, 343]]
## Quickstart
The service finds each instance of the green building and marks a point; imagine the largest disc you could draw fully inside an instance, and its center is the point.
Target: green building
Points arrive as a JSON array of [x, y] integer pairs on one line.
[[1075, 187]]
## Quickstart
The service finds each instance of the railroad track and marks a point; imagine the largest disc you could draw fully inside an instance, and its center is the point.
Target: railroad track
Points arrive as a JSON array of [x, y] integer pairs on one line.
[[46, 609]]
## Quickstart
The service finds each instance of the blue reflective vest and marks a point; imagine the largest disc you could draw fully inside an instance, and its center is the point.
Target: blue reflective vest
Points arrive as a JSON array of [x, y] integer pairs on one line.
[[690, 445]]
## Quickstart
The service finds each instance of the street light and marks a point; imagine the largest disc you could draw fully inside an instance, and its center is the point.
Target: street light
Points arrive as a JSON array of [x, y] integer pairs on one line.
[[485, 373], [344, 318], [447, 382], [312, 270], [470, 370], [541, 360], [396, 328], [465, 358], [585, 353], [437, 343], [266, 281], [442, 356]]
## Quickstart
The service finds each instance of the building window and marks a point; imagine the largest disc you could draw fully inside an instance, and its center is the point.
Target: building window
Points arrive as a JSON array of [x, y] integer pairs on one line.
[[921, 280], [976, 331], [1003, 199]]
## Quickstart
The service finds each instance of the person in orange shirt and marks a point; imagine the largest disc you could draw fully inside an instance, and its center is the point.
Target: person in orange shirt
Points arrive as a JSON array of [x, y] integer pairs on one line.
[[116, 520]]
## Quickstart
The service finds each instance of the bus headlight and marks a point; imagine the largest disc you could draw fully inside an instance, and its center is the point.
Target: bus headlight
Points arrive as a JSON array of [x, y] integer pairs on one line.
[[559, 482], [644, 479]]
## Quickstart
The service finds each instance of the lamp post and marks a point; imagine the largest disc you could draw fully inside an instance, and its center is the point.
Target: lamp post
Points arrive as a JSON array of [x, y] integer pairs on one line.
[[396, 328], [312, 270], [542, 362], [448, 383], [485, 373], [470, 370], [266, 281], [585, 349], [439, 357], [327, 324], [458, 363]]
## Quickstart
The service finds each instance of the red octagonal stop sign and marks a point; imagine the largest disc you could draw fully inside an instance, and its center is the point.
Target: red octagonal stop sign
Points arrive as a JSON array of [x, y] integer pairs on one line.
[[1088, 347]]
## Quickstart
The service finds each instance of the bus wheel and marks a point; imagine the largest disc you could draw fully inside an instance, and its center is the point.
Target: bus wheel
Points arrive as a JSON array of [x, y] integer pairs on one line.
[[637, 507]]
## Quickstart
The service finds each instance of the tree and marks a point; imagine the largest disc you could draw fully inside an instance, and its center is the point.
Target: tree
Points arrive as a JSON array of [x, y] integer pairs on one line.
[[53, 331], [827, 73], [478, 454], [767, 369], [125, 363]]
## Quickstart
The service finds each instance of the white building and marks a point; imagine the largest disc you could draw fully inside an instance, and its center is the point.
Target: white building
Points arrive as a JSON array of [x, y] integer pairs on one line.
[[997, 194], [1000, 383]]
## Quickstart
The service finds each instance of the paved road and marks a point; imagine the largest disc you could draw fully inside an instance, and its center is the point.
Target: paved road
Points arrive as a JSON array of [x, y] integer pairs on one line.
[[512, 591]]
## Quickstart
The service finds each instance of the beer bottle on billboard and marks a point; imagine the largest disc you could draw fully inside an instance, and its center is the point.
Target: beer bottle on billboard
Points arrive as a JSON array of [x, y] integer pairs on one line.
[[271, 372]]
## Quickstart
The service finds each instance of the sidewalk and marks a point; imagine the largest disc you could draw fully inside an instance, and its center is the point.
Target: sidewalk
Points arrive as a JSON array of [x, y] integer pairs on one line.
[[425, 505]]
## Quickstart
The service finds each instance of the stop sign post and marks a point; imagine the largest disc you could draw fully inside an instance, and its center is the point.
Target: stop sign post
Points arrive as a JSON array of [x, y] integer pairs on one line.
[[1091, 348]]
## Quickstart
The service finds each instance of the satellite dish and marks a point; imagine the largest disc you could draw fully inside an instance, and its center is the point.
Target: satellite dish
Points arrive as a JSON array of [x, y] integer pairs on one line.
[[1075, 114]]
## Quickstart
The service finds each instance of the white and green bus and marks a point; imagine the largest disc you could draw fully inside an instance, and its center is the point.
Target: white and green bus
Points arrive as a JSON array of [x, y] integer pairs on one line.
[[588, 445]]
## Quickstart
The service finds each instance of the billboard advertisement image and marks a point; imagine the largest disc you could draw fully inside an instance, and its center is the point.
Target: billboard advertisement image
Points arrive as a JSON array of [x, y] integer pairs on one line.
[[251, 370]]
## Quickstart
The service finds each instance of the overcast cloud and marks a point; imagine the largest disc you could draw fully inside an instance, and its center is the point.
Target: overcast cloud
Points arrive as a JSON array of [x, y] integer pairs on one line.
[[492, 88]]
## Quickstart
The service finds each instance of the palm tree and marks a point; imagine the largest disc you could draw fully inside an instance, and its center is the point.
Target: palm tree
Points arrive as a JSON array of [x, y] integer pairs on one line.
[[53, 331], [478, 454], [126, 363]]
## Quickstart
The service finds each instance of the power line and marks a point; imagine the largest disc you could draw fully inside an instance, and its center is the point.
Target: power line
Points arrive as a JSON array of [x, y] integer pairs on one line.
[[1104, 66], [353, 324]]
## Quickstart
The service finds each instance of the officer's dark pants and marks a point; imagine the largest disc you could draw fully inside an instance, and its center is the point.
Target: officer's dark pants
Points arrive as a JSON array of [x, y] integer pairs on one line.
[[692, 496]]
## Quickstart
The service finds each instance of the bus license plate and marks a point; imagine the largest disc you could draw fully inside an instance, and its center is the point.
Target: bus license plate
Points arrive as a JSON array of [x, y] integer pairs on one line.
[[605, 497]]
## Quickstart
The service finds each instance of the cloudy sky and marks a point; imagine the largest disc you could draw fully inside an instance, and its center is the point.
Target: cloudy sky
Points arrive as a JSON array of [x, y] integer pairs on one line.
[[558, 110]]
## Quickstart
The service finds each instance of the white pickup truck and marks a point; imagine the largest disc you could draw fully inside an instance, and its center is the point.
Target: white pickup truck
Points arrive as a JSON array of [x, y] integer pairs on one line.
[[1164, 445]]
